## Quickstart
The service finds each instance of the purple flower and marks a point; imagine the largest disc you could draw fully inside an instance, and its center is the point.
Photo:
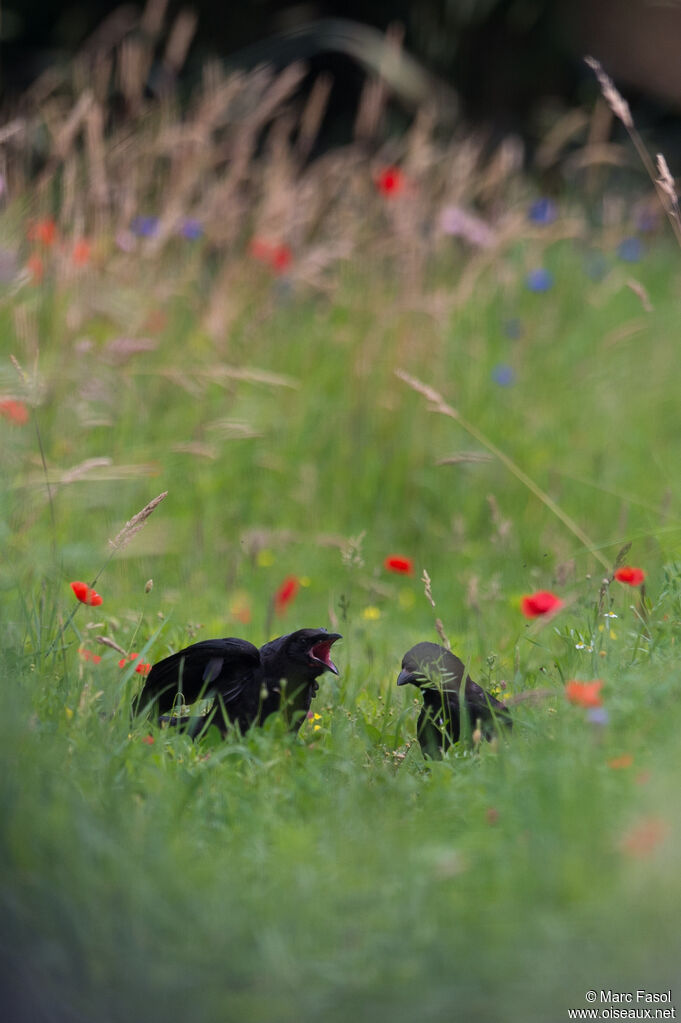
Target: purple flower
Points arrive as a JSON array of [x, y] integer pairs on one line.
[[503, 375], [542, 211], [513, 328], [460, 223], [598, 716], [539, 280], [647, 220], [630, 250], [144, 227], [191, 229]]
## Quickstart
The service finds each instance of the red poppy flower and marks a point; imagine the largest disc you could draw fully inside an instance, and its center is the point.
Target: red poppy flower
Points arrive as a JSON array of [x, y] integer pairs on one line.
[[35, 266], [14, 411], [276, 255], [585, 694], [81, 252], [629, 575], [87, 655], [619, 763], [398, 563], [644, 837], [543, 602], [390, 181], [148, 739], [282, 257], [285, 594], [142, 669], [43, 231], [123, 663], [85, 594]]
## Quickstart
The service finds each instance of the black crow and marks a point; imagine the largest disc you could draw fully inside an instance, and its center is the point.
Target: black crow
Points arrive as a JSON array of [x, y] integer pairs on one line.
[[248, 684], [439, 673]]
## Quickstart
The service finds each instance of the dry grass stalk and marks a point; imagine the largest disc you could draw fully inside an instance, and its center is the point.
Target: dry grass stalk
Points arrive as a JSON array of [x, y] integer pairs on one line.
[[313, 115], [374, 94], [641, 293], [438, 404], [612, 97], [427, 588], [152, 17], [179, 40], [135, 524], [666, 183], [12, 129], [442, 634], [78, 471], [94, 137], [620, 108], [105, 641], [463, 457]]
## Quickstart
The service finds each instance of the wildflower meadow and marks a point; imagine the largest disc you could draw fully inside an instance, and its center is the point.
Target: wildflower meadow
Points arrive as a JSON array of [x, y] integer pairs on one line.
[[393, 389]]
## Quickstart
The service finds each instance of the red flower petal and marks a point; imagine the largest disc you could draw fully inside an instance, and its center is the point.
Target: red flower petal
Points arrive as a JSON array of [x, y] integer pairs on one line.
[[44, 231], [620, 763], [14, 411], [644, 837], [148, 739], [390, 181], [282, 257], [87, 655], [122, 663], [85, 594], [400, 564], [81, 252], [285, 594], [630, 575], [142, 669], [276, 255], [585, 694], [36, 267], [543, 602]]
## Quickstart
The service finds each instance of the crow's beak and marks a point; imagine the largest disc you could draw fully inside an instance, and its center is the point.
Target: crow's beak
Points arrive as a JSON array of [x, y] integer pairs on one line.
[[404, 677], [320, 651]]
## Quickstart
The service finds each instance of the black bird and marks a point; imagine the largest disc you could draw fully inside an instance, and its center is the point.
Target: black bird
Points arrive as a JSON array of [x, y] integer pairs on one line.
[[439, 673], [248, 684]]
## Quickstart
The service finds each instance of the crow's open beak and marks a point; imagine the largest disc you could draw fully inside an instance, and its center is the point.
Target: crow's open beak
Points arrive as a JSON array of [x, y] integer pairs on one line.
[[321, 651]]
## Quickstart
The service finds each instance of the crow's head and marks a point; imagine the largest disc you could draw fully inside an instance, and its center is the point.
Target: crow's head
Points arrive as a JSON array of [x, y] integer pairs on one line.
[[430, 666], [304, 653]]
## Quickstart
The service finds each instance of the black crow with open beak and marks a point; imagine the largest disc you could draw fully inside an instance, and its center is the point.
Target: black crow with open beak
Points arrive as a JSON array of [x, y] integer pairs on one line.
[[439, 675], [247, 684]]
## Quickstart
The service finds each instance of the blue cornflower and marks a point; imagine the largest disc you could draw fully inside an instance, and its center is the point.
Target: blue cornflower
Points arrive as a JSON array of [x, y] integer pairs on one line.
[[647, 220], [144, 226], [598, 715], [539, 280], [191, 229], [630, 250], [503, 375], [542, 211]]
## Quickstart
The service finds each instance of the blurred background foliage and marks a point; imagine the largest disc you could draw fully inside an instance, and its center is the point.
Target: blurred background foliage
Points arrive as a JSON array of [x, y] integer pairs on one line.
[[514, 63]]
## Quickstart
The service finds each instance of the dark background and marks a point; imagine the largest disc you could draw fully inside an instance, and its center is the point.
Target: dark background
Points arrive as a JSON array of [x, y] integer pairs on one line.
[[508, 59]]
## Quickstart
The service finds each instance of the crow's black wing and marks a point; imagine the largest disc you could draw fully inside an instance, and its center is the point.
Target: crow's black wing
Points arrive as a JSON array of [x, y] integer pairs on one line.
[[227, 668], [482, 706]]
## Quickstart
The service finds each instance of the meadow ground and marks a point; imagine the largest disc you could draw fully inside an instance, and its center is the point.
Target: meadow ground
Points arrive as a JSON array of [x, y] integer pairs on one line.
[[336, 875]]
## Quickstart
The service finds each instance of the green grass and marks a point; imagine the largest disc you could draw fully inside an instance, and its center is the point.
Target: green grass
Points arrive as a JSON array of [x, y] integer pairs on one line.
[[335, 875]]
